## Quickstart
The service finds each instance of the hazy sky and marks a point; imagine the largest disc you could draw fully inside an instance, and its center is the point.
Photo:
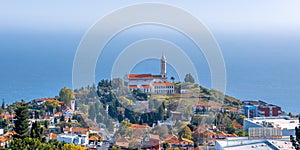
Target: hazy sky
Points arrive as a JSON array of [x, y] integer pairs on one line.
[[248, 16]]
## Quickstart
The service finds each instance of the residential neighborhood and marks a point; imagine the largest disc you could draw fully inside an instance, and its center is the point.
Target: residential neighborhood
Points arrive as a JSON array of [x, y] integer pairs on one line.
[[142, 115], [65, 123]]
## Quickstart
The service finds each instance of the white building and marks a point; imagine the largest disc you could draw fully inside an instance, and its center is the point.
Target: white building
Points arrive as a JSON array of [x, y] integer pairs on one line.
[[243, 143], [285, 124], [73, 138], [72, 104], [148, 83]]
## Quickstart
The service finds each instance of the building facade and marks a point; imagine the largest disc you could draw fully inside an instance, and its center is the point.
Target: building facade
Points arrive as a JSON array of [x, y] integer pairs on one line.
[[285, 124], [260, 109], [154, 84]]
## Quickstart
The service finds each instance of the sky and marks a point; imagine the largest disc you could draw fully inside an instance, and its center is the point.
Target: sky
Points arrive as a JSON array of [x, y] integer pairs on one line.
[[247, 16], [270, 20]]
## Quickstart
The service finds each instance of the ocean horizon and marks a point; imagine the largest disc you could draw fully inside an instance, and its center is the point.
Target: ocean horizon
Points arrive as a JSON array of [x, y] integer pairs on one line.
[[39, 65]]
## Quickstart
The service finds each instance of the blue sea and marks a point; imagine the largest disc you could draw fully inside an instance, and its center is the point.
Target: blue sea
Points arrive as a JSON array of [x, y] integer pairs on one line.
[[259, 66]]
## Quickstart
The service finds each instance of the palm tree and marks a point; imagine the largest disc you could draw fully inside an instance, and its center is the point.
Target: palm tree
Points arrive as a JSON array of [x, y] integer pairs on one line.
[[172, 78]]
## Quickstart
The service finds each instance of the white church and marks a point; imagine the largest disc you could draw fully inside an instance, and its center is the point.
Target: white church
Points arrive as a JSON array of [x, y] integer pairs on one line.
[[154, 84]]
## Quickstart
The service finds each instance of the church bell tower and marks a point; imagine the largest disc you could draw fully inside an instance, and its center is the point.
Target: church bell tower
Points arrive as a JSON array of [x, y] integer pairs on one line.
[[163, 66]]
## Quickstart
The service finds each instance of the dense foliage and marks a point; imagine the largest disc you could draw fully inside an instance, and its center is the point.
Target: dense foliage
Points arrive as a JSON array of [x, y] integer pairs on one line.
[[118, 111], [34, 143], [21, 124], [189, 78], [295, 142], [66, 95]]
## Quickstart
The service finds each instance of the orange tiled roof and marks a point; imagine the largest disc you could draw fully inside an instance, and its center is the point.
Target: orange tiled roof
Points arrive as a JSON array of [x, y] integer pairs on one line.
[[215, 107], [157, 76], [202, 128], [233, 109], [209, 133], [95, 128], [58, 113], [121, 141], [172, 139], [140, 126], [200, 106], [146, 86], [154, 136], [231, 135], [52, 136], [198, 148], [187, 140], [163, 84], [9, 133], [138, 131], [80, 130], [136, 76], [76, 130], [93, 138], [133, 86], [221, 134], [237, 125], [44, 99], [3, 139]]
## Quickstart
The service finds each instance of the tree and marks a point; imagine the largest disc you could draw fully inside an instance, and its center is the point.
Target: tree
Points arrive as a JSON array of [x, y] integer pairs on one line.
[[52, 104], [230, 129], [3, 104], [198, 137], [240, 119], [242, 133], [99, 118], [36, 130], [297, 133], [226, 121], [163, 131], [295, 142], [173, 78], [83, 108], [189, 78], [34, 143], [66, 95], [62, 118], [92, 112], [2, 109], [196, 120], [72, 147], [185, 133], [4, 123], [166, 146], [55, 121], [161, 112], [134, 144], [46, 124], [10, 109], [219, 118], [36, 114], [118, 84], [21, 123]]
